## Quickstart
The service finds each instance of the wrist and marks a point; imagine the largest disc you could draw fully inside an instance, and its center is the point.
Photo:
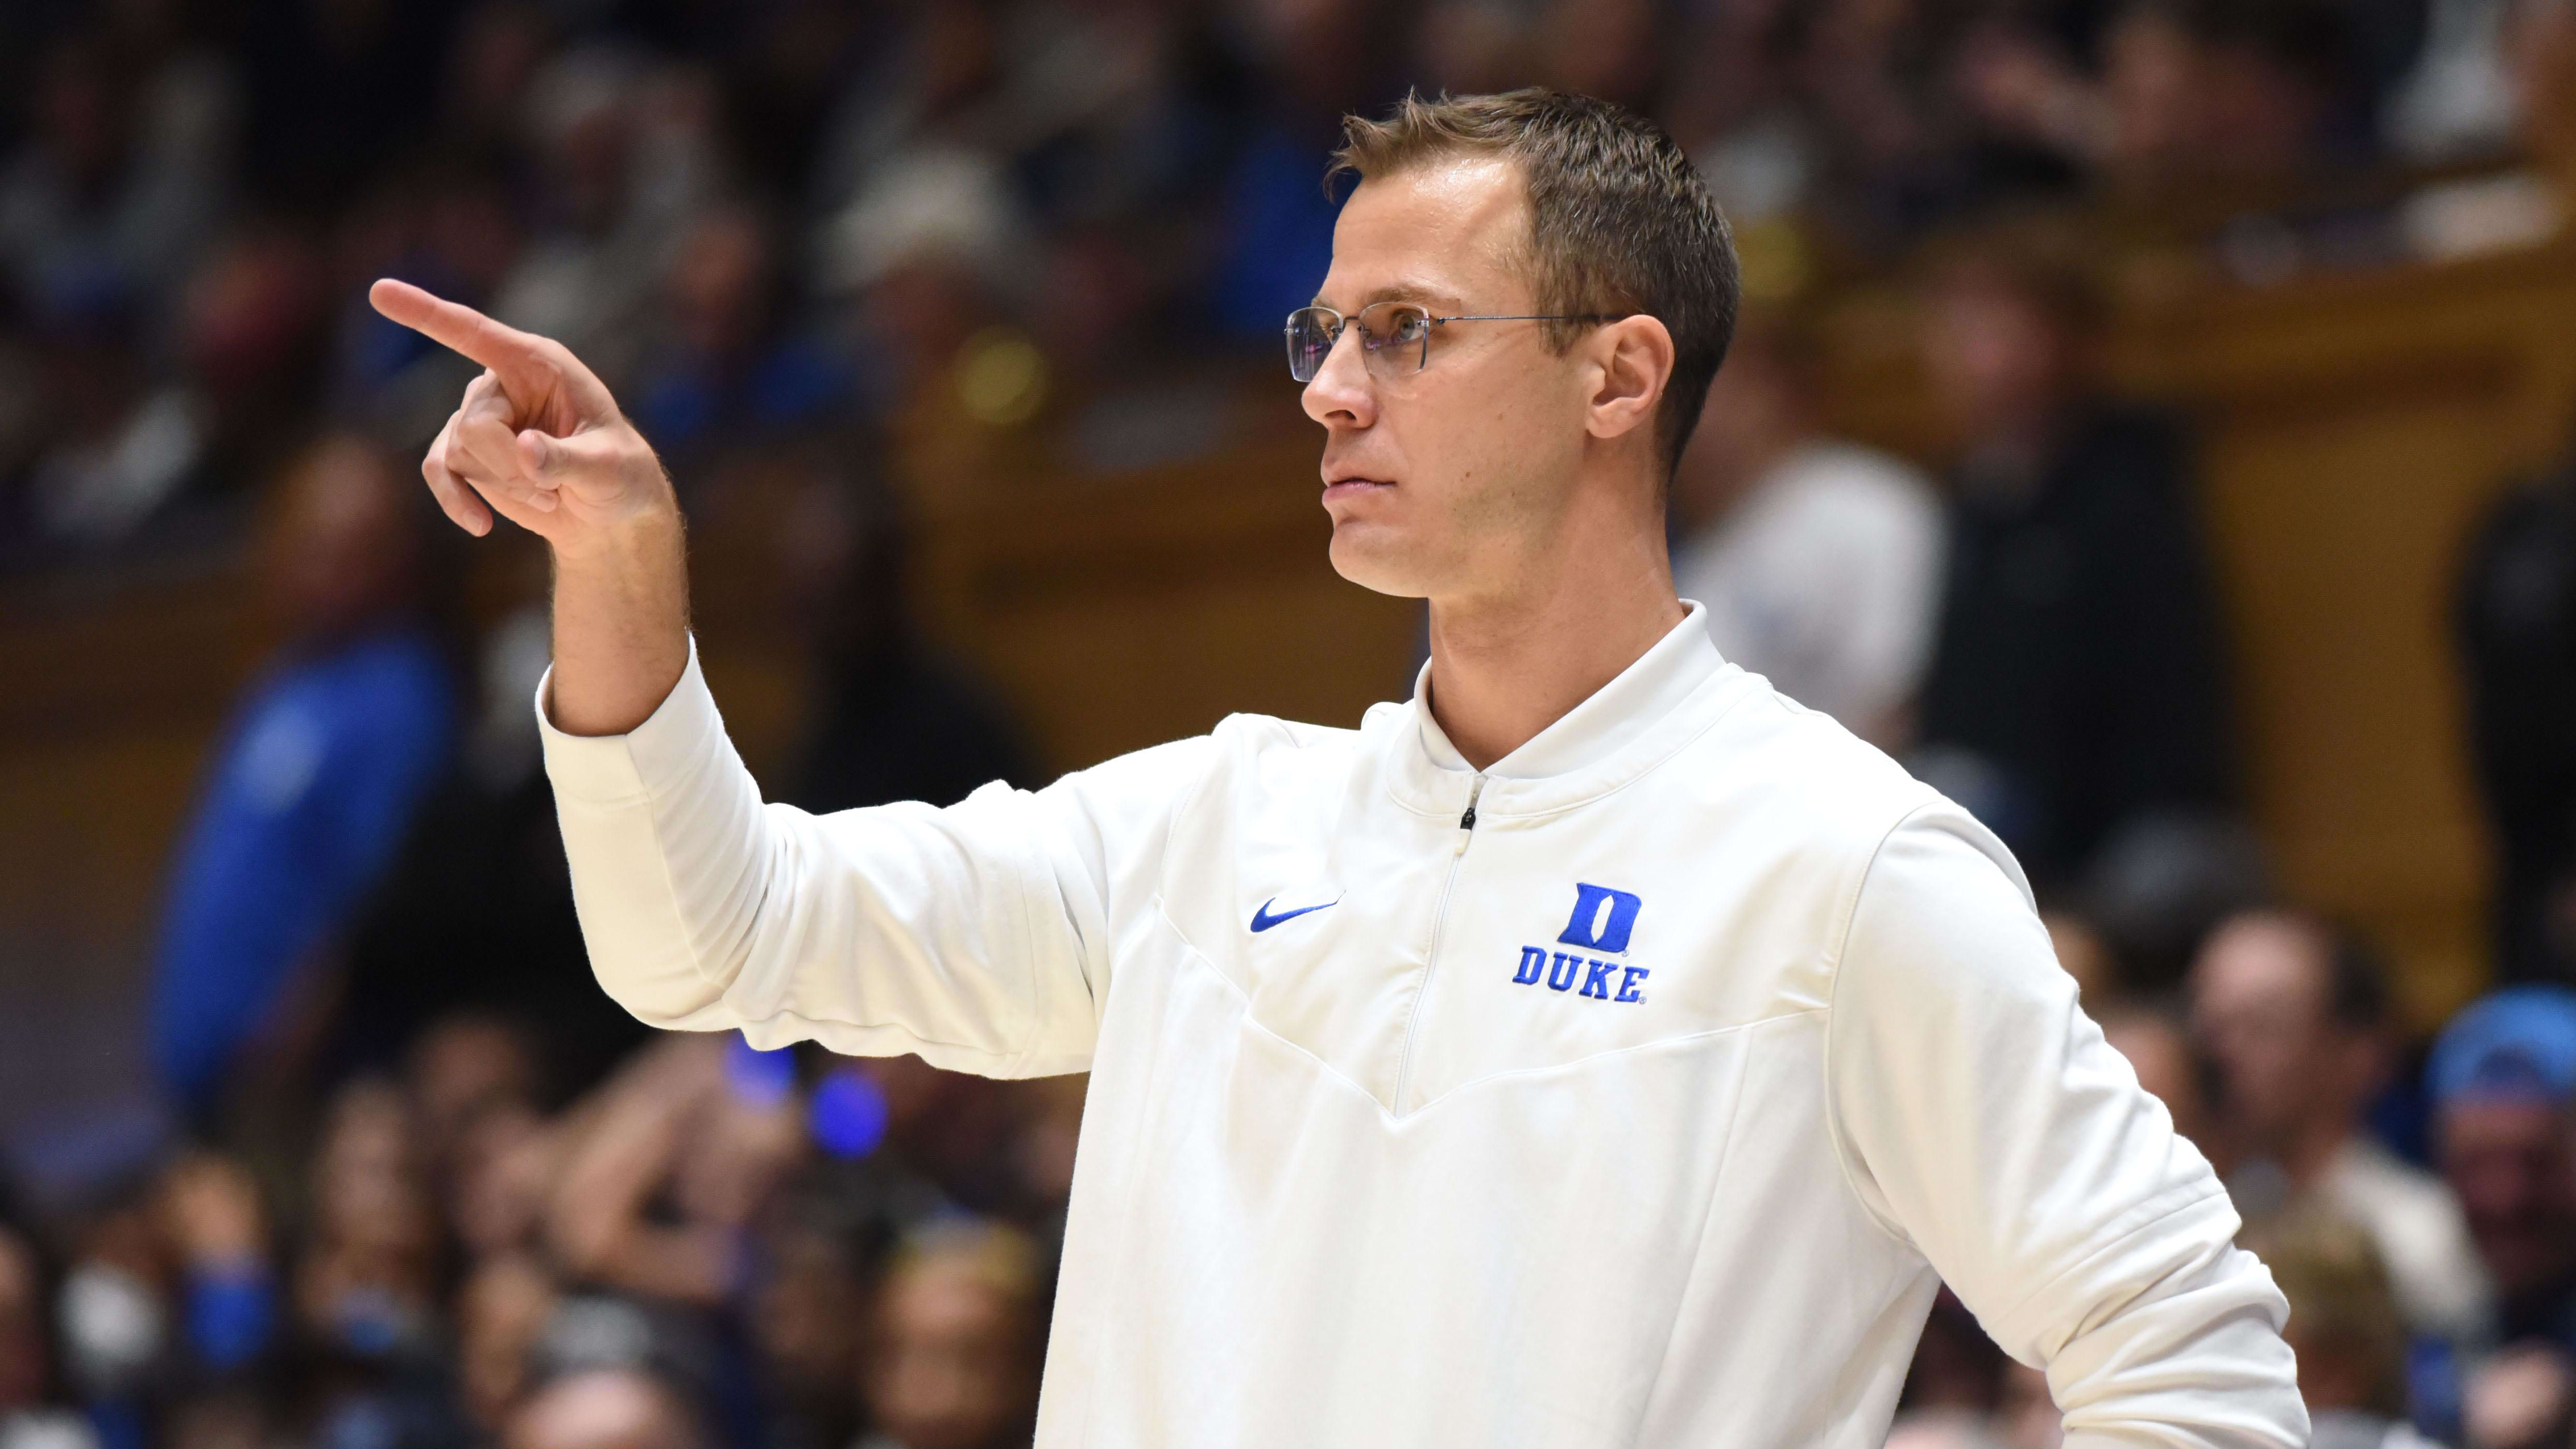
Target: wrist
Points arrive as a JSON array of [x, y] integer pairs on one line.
[[646, 532]]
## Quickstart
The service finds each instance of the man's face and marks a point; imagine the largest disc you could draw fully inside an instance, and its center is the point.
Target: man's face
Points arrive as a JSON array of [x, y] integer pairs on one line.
[[1444, 482], [2258, 1007], [951, 1369], [1996, 356], [2509, 1162]]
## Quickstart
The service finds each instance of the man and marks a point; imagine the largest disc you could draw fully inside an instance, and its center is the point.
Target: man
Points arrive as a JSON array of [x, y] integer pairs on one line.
[[1818, 560], [1597, 1049], [2503, 1082], [2515, 614], [2294, 1017], [2075, 689], [2345, 1328], [951, 1360], [318, 774], [607, 1408], [2156, 1042]]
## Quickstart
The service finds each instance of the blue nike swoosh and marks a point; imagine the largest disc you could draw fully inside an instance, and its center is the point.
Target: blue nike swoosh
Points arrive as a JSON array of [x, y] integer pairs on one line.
[[1262, 920]]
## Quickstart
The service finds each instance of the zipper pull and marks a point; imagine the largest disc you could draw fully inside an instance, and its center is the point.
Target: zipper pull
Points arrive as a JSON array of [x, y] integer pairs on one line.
[[1467, 822]]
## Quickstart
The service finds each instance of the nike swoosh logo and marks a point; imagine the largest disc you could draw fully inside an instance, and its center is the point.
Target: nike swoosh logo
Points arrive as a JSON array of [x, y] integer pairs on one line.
[[1262, 920]]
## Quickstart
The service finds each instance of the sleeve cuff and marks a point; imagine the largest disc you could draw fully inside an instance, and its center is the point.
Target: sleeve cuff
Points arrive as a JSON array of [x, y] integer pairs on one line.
[[614, 769]]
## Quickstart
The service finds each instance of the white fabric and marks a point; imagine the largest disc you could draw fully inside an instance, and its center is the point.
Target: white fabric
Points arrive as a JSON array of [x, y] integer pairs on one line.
[[1825, 579], [1345, 1181]]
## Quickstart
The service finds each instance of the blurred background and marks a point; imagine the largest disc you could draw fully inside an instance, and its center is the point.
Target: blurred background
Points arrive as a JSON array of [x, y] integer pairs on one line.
[[2153, 420]]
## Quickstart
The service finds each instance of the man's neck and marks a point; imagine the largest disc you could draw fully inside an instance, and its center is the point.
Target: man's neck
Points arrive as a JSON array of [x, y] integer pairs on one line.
[[1505, 667]]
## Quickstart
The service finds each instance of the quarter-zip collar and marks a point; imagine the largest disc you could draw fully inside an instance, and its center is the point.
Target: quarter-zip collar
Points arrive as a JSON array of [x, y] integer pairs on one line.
[[1672, 692]]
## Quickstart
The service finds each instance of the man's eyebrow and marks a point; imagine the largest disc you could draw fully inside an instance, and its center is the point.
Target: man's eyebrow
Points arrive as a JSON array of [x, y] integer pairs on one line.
[[1405, 292]]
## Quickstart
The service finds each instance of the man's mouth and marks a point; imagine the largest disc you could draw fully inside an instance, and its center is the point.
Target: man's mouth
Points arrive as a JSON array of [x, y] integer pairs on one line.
[[1352, 486]]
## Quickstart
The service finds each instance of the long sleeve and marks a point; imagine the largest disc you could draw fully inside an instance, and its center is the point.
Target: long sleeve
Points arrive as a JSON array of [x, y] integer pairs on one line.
[[1984, 1119], [978, 936]]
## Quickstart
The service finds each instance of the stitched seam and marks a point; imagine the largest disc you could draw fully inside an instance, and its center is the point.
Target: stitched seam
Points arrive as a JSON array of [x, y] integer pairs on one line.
[[1833, 992]]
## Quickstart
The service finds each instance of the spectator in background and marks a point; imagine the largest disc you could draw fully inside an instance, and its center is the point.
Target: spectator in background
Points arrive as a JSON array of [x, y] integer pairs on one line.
[[1317, 60], [121, 175], [2294, 1016], [501, 1312], [249, 345], [2490, 72], [322, 766], [607, 1409], [368, 1276], [1818, 560], [893, 718], [677, 1156], [924, 255], [2187, 92], [35, 1412], [2157, 1043], [212, 1215], [465, 1067], [2523, 1398], [2503, 1082], [719, 363], [2075, 687], [2344, 1328], [121, 445], [628, 157], [2516, 621], [954, 1353]]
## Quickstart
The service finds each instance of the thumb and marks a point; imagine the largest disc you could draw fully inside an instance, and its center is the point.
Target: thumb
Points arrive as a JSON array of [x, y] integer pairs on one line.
[[541, 455]]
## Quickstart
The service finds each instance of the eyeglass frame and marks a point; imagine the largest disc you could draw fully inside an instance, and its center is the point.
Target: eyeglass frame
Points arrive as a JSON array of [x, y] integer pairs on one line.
[[1288, 329]]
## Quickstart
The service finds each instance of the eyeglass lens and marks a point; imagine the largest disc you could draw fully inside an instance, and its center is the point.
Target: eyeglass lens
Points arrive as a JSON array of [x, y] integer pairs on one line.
[[1394, 338]]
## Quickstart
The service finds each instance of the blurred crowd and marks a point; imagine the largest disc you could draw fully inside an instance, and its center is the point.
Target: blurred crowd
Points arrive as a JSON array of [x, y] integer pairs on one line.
[[429, 1187], [796, 214]]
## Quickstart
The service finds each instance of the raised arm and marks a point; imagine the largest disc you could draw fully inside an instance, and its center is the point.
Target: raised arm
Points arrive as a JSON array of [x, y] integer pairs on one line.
[[978, 936], [1984, 1119], [539, 440]]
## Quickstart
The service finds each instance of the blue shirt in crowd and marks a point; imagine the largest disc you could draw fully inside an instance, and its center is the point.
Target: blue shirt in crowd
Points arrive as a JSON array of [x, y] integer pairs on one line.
[[312, 786]]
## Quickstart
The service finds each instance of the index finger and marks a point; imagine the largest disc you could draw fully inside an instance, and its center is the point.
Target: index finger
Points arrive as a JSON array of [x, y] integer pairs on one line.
[[503, 349]]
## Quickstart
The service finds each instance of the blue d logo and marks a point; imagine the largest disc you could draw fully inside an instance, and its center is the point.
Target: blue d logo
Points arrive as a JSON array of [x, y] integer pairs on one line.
[[1602, 919]]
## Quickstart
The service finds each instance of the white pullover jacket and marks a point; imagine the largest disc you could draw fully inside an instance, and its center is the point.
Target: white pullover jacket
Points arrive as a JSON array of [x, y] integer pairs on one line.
[[1636, 1091]]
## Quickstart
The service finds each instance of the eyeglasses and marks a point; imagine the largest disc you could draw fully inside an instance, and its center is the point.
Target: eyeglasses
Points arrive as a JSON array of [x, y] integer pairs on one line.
[[1395, 337]]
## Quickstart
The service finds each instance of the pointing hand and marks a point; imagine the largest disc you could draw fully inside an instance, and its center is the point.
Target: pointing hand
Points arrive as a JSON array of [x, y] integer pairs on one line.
[[537, 438]]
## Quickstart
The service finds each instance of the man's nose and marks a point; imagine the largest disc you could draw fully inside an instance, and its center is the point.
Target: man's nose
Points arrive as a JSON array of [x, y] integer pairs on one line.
[[1340, 393]]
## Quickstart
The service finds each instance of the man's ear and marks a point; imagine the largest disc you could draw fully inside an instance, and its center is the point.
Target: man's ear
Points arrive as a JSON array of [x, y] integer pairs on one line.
[[1633, 362]]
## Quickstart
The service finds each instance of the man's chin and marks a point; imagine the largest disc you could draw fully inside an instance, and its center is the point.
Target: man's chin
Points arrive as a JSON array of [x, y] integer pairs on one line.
[[1373, 557]]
